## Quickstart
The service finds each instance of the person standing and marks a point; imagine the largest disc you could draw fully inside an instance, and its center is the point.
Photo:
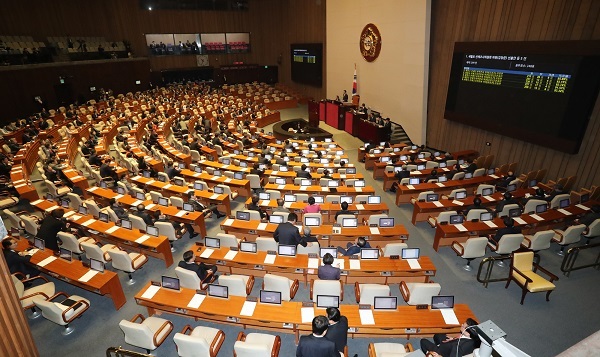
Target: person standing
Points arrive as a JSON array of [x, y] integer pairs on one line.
[[315, 344]]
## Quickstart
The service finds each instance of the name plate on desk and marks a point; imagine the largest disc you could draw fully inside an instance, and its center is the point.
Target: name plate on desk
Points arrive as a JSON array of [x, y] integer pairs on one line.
[[490, 224], [459, 203], [142, 239], [439, 184], [261, 226], [111, 230], [228, 222]]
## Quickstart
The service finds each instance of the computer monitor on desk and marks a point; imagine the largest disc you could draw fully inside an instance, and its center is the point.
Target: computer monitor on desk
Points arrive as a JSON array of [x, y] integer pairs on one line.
[[170, 283], [385, 303], [325, 301], [270, 297], [219, 291], [442, 302]]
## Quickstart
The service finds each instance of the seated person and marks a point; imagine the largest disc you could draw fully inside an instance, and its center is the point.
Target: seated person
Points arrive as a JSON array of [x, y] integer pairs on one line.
[[557, 190], [476, 205], [303, 173], [538, 195], [255, 207], [470, 166], [307, 236], [338, 328], [107, 171], [17, 261], [509, 229], [326, 175], [506, 200], [506, 180], [280, 207], [590, 216], [171, 170], [344, 210], [141, 212], [352, 249], [198, 206], [312, 207], [315, 345], [202, 270], [256, 170], [118, 209], [327, 271], [432, 176], [455, 346]]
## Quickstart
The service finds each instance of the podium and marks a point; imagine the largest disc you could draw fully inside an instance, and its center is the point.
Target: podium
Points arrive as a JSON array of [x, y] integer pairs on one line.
[[322, 110], [335, 114], [314, 113]]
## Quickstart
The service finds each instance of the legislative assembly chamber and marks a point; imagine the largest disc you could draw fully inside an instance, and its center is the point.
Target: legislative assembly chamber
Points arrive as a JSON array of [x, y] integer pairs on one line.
[[299, 178]]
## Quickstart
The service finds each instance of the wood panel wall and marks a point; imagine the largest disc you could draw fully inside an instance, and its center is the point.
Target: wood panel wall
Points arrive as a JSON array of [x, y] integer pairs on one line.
[[510, 20], [16, 336]]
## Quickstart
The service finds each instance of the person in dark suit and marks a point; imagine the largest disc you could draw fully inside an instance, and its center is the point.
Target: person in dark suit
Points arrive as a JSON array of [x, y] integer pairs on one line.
[[327, 175], [287, 233], [141, 212], [51, 225], [506, 200], [344, 210], [506, 180], [457, 346], [432, 176], [539, 195], [107, 171], [345, 96], [509, 229], [255, 207], [171, 170], [256, 170], [95, 159], [17, 262], [337, 332], [202, 270], [194, 145], [327, 271], [590, 217], [476, 205], [557, 190], [355, 248], [471, 167], [315, 344], [303, 173], [118, 209]]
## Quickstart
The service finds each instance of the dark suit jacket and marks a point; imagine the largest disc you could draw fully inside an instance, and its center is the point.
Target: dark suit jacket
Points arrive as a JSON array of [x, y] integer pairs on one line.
[[200, 269], [48, 231], [503, 202], [15, 262], [304, 174], [506, 230], [312, 346], [287, 234], [145, 216], [107, 171], [328, 272], [338, 334], [448, 349]]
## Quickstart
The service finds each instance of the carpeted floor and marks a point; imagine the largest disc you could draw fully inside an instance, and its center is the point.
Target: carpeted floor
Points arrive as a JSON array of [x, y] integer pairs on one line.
[[538, 327]]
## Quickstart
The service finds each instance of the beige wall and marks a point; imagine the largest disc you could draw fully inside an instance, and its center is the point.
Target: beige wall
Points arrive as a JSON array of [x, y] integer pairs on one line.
[[395, 83]]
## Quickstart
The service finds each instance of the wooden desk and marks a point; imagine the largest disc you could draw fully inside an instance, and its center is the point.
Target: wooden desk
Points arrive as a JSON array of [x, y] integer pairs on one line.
[[70, 272], [406, 192], [287, 316], [381, 271], [445, 234], [342, 190], [390, 177], [241, 186], [252, 229], [157, 247]]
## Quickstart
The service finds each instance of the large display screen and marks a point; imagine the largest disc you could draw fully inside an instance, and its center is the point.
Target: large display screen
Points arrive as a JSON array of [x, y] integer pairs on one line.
[[307, 63], [540, 92]]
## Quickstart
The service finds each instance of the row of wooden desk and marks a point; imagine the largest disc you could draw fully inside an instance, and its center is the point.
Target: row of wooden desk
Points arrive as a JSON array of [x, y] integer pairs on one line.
[[375, 235], [406, 192], [445, 234], [404, 322]]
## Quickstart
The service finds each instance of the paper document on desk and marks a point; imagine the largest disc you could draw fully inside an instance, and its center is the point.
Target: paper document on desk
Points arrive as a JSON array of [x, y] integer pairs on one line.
[[280, 187], [416, 172], [366, 317], [287, 204], [304, 188], [248, 308], [438, 204], [578, 206], [494, 176], [75, 217], [36, 202], [519, 220], [313, 263], [150, 182], [206, 253], [374, 230], [150, 206], [134, 178], [111, 230], [308, 314], [358, 189], [261, 226], [360, 207], [230, 255], [196, 301], [536, 217], [489, 198], [118, 196], [565, 212], [142, 239], [457, 203], [337, 263], [324, 189], [197, 174], [490, 224], [460, 227], [270, 259], [410, 187], [265, 202], [214, 196], [228, 222], [50, 209], [150, 292], [68, 214], [227, 180], [180, 213], [46, 261], [92, 189], [87, 276], [167, 186], [274, 173], [439, 184], [354, 264], [88, 222], [413, 263], [449, 317]]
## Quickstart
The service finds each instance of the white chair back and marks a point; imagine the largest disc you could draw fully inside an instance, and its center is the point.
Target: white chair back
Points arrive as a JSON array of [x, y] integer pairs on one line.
[[325, 287], [265, 243], [369, 291], [187, 278], [394, 249], [509, 243]]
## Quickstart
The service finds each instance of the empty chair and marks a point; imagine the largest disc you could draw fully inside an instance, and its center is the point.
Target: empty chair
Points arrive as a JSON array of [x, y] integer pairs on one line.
[[479, 172], [419, 293], [199, 341], [592, 231], [255, 183], [458, 176], [256, 345], [227, 190], [365, 293], [254, 215], [301, 197], [471, 249], [532, 204], [341, 217], [326, 287], [70, 242], [228, 240], [238, 285], [421, 197], [313, 215], [154, 196], [393, 249], [56, 191], [176, 201], [30, 225], [61, 313], [148, 334], [431, 165], [523, 271], [163, 176], [508, 243], [287, 287], [45, 290], [265, 244], [111, 214], [190, 280], [539, 241], [506, 209], [76, 201], [452, 194], [137, 222], [92, 208], [555, 203], [332, 199], [569, 236], [93, 251], [127, 262], [475, 214], [167, 229], [309, 249], [374, 218], [482, 187], [284, 215], [388, 349], [443, 217], [274, 194]]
